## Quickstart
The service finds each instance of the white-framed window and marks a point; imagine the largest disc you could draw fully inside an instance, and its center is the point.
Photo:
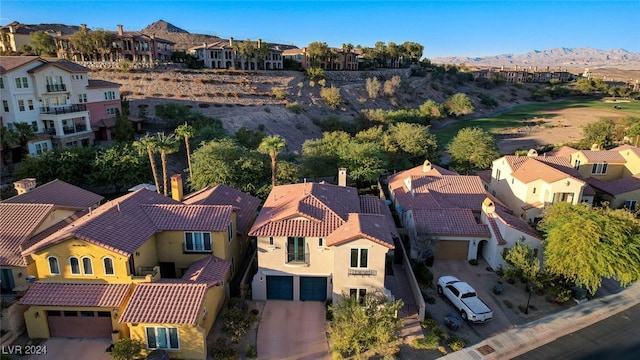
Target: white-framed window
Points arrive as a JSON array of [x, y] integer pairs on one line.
[[54, 265], [270, 240], [21, 105], [630, 204], [358, 294], [1, 83], [41, 147], [108, 266], [230, 231], [111, 111], [74, 264], [576, 164], [109, 95], [30, 104], [359, 258], [22, 82], [197, 242], [82, 98], [5, 105], [599, 168], [498, 174], [162, 338], [87, 266]]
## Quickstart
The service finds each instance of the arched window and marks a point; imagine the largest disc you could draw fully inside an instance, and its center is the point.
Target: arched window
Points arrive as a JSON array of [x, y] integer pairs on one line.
[[75, 265], [54, 267], [108, 266], [87, 266]]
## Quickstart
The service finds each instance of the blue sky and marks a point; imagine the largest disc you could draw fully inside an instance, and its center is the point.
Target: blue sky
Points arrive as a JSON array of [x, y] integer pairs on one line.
[[444, 28]]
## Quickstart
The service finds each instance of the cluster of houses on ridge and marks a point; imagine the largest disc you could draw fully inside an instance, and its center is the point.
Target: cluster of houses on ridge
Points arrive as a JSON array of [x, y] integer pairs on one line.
[[86, 269]]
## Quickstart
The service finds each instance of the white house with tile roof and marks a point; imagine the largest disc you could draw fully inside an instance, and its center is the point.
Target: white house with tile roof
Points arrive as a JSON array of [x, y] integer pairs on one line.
[[318, 241], [452, 216]]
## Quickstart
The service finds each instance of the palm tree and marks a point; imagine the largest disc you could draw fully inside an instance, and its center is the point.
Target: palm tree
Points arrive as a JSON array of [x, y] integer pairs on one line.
[[9, 139], [272, 145], [186, 131], [149, 144], [166, 145]]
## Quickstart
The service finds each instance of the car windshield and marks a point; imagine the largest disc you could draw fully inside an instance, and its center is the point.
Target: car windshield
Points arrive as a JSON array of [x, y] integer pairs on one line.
[[468, 295]]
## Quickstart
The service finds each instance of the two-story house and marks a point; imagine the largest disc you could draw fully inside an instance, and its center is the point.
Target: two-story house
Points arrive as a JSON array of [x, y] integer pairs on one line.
[[119, 268], [222, 54], [57, 98], [319, 241], [340, 58], [451, 216], [30, 216]]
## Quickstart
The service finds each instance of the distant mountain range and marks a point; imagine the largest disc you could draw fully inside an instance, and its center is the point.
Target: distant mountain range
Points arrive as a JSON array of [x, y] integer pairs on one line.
[[563, 57]]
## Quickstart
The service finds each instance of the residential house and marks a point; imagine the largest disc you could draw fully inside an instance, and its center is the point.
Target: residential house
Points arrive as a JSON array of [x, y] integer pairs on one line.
[[222, 54], [528, 184], [15, 36], [57, 98], [451, 216], [614, 174], [129, 260], [30, 216], [319, 241], [340, 59], [522, 75]]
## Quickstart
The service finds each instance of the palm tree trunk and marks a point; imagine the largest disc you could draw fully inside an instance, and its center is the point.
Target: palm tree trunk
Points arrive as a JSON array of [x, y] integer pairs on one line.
[[163, 156], [274, 170], [186, 144], [154, 170]]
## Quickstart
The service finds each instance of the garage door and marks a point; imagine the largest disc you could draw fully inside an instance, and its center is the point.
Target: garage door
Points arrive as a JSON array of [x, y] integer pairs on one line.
[[452, 249], [280, 287], [79, 324], [313, 288]]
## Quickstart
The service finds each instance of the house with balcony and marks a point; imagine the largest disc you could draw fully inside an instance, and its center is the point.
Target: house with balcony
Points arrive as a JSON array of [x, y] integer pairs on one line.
[[451, 216], [222, 54], [57, 98], [340, 58], [116, 270], [319, 241], [29, 217]]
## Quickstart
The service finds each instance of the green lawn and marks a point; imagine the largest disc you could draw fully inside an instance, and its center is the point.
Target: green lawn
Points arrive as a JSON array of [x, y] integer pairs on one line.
[[514, 116]]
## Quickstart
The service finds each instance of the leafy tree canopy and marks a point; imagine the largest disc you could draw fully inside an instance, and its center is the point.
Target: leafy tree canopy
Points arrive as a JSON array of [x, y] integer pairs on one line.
[[42, 44], [472, 149], [459, 104]]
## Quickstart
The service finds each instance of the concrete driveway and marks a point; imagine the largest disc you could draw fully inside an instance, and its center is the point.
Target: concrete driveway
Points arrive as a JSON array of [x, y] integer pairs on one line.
[[292, 330], [482, 281], [65, 349]]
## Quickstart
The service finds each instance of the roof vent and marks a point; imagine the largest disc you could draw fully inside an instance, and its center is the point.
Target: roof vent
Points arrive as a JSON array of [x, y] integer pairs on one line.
[[426, 166], [532, 152], [595, 147]]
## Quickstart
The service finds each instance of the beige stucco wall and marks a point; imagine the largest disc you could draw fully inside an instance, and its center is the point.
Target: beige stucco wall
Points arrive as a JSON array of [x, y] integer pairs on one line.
[[38, 327], [619, 200], [191, 340], [53, 218], [614, 170], [632, 166], [342, 281]]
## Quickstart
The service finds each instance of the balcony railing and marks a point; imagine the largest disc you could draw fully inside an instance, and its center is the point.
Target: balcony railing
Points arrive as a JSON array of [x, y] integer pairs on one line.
[[297, 257], [71, 130], [56, 88], [363, 272], [65, 109]]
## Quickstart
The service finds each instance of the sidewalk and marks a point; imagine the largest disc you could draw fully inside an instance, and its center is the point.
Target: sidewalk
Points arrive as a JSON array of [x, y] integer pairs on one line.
[[525, 338]]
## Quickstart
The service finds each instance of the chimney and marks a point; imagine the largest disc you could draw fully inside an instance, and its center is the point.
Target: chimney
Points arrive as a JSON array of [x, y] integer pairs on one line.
[[595, 147], [176, 187], [120, 31], [426, 166], [532, 152], [230, 41], [24, 185], [488, 207], [259, 43], [342, 177]]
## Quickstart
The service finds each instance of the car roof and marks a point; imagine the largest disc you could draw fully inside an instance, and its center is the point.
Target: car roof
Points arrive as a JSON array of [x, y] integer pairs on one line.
[[460, 285]]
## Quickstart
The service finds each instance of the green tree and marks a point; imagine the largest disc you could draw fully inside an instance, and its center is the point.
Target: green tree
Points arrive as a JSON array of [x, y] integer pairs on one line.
[[167, 144], [601, 132], [459, 104], [525, 263], [585, 244], [247, 50], [412, 51], [148, 144], [320, 157], [82, 42], [364, 160], [186, 132], [173, 113], [102, 41], [42, 44], [408, 145], [472, 149], [123, 130], [318, 52], [9, 139], [250, 139], [331, 96], [127, 349], [119, 166], [431, 110], [367, 323], [272, 146]]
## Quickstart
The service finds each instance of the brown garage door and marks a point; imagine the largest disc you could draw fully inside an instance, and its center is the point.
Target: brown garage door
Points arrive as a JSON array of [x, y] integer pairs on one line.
[[79, 324], [452, 249]]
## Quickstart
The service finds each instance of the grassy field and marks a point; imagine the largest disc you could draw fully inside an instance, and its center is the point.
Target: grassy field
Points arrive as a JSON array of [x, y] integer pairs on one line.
[[513, 117]]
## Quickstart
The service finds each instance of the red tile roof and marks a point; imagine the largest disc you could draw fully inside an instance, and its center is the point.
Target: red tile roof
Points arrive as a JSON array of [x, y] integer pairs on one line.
[[515, 222], [601, 156], [618, 186], [374, 205], [189, 217], [224, 195], [626, 147], [165, 303], [94, 84], [211, 270], [62, 294], [449, 222], [62, 64], [564, 152], [18, 224], [59, 193], [358, 226]]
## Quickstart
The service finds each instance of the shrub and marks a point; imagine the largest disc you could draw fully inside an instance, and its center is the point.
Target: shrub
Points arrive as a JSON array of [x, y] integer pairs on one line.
[[390, 86], [362, 101], [373, 87], [322, 82], [126, 349], [522, 308], [279, 93], [498, 289], [250, 352], [236, 322], [294, 107], [507, 303], [331, 96], [488, 100], [424, 276], [158, 354], [473, 262], [315, 73], [456, 343], [428, 342]]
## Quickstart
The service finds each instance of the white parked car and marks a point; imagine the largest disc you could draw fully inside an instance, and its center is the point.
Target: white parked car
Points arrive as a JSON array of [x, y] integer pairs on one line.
[[464, 298]]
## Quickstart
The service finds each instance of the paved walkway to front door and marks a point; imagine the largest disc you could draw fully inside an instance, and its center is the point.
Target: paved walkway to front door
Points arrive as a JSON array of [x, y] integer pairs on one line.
[[293, 330]]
